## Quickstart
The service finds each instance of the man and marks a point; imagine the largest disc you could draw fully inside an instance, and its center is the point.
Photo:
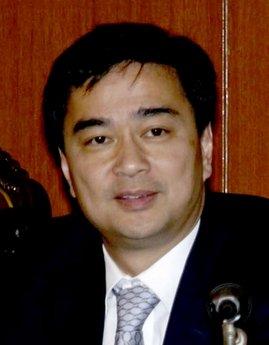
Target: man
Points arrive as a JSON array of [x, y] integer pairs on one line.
[[128, 113]]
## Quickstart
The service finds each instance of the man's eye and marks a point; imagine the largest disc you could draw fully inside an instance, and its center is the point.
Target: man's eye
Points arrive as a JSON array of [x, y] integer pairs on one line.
[[156, 132], [101, 139]]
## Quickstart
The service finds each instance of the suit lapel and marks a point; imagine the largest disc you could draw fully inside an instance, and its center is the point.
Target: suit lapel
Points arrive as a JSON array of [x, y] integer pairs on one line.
[[89, 318], [91, 301], [189, 320], [79, 301]]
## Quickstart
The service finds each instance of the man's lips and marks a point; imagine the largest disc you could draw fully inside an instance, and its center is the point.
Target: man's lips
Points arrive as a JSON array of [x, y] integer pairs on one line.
[[136, 200], [134, 195]]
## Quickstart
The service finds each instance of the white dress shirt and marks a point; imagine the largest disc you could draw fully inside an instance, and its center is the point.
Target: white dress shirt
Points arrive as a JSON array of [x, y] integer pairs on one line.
[[162, 278]]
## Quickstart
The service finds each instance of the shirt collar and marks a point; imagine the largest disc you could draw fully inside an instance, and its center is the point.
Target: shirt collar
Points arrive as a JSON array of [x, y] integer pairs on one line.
[[169, 267]]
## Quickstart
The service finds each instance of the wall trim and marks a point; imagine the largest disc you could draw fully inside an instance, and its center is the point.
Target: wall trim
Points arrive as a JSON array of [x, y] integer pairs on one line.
[[225, 96]]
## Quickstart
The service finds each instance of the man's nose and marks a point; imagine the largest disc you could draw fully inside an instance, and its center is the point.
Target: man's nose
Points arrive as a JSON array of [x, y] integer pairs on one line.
[[131, 159]]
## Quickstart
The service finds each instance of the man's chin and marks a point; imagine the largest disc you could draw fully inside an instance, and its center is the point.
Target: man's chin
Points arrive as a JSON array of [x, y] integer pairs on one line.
[[135, 237]]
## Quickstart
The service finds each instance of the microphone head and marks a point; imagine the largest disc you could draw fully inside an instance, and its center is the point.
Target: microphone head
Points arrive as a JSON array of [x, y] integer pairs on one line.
[[229, 302]]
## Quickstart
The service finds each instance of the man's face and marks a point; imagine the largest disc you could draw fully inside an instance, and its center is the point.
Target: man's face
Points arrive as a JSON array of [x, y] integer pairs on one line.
[[133, 158]]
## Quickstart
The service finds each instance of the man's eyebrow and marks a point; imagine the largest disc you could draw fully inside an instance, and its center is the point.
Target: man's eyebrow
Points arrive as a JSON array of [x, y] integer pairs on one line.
[[156, 111], [141, 112], [83, 124]]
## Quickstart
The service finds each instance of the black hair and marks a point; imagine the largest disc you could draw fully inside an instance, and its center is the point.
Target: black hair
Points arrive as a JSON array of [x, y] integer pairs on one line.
[[94, 54]]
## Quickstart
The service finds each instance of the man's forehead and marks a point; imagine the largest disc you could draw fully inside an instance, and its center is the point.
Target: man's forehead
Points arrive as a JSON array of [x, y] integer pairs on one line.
[[131, 71], [141, 90]]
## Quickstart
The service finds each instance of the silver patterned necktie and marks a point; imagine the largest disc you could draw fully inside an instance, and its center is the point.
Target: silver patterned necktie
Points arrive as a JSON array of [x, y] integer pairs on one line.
[[134, 305]]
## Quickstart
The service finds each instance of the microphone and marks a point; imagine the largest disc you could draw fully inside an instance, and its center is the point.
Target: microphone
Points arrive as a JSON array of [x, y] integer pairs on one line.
[[229, 303], [225, 302]]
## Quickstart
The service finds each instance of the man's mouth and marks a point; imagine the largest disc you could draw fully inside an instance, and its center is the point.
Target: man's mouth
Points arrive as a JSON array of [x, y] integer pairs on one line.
[[136, 200]]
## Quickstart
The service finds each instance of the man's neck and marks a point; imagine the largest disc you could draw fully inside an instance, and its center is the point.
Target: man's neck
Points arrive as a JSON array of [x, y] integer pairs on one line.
[[136, 259]]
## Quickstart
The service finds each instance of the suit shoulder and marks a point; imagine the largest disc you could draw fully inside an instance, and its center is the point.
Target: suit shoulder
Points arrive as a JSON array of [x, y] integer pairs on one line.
[[238, 202], [244, 215], [72, 230], [60, 239], [72, 224]]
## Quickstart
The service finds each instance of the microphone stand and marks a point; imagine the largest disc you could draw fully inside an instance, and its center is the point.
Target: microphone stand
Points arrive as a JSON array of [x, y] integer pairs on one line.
[[233, 335]]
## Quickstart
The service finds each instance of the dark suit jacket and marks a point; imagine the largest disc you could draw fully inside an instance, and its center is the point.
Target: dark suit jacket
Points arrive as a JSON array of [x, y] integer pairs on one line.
[[61, 298]]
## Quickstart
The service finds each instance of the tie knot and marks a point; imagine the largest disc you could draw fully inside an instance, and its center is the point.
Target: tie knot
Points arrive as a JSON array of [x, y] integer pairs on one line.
[[134, 304]]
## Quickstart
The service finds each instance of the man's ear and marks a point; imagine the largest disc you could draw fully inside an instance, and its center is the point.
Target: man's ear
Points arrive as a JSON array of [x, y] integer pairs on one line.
[[207, 151], [66, 172]]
